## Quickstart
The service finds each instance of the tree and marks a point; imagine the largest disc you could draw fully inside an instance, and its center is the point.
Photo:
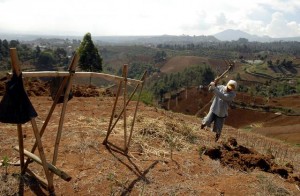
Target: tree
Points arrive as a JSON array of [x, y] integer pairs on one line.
[[60, 55], [89, 57], [13, 43], [37, 52], [5, 48], [46, 60]]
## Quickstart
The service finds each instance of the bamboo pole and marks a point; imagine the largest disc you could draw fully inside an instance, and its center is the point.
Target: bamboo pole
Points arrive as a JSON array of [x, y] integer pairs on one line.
[[76, 75], [66, 97], [57, 96], [125, 68], [21, 146], [109, 130], [135, 111], [42, 155], [17, 70], [15, 61], [49, 166], [118, 118]]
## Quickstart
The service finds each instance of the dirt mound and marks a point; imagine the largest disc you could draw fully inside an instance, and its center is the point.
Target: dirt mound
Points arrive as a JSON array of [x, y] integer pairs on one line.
[[244, 159], [38, 87]]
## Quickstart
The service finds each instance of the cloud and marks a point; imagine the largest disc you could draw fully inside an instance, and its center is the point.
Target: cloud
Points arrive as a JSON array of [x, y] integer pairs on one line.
[[280, 27], [221, 19], [150, 17]]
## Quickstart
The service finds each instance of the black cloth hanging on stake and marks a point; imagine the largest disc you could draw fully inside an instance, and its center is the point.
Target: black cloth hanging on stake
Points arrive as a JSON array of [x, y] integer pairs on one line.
[[54, 86], [15, 106]]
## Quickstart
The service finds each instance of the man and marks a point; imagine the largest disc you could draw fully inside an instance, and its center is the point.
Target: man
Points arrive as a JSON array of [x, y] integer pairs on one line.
[[224, 95]]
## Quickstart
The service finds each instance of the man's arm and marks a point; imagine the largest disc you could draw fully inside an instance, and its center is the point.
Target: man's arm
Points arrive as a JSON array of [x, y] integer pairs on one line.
[[225, 96]]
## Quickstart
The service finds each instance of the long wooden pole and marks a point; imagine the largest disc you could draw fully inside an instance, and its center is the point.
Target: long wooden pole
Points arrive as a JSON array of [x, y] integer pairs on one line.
[[77, 75], [121, 113], [21, 146], [66, 97], [109, 130], [17, 70], [125, 68], [135, 111], [51, 167], [15, 61], [42, 155], [57, 96]]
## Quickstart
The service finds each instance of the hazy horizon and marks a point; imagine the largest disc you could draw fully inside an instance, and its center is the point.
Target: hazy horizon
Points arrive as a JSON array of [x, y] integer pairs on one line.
[[274, 18]]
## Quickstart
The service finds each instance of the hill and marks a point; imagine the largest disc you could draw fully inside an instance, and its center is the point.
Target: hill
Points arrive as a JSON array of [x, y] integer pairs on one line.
[[234, 35], [169, 154], [179, 63], [226, 35]]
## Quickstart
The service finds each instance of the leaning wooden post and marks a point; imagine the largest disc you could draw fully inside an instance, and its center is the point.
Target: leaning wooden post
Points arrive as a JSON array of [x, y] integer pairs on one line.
[[42, 155], [21, 146], [60, 90], [121, 113], [135, 112], [109, 130], [17, 70], [125, 68], [66, 97]]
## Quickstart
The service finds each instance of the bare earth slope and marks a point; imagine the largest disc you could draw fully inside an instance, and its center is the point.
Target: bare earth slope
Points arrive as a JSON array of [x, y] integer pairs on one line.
[[285, 127], [169, 154]]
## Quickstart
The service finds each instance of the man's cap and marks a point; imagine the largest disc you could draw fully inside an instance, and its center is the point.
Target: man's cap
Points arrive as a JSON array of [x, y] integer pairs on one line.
[[232, 85]]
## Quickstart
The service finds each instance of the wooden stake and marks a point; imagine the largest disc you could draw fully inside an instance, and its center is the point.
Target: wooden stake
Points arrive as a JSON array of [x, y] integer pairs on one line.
[[66, 97], [51, 167], [57, 96], [77, 75], [17, 70], [135, 111], [15, 61], [21, 146], [109, 130], [125, 68], [42, 154], [118, 118]]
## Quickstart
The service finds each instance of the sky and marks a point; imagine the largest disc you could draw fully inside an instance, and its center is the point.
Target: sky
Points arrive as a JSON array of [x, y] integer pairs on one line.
[[275, 18]]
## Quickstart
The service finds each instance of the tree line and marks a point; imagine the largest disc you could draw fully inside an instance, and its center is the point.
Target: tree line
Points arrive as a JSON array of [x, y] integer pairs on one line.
[[240, 46], [52, 58], [192, 76]]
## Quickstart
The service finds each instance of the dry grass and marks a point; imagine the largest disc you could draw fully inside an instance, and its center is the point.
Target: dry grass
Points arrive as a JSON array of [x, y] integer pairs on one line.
[[165, 158]]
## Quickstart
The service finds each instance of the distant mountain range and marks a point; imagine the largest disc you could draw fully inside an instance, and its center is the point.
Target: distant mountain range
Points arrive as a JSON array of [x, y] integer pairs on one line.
[[234, 35], [227, 35]]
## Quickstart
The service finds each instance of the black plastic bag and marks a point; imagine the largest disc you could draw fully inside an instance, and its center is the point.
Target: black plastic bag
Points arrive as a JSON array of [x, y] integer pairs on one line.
[[15, 106]]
